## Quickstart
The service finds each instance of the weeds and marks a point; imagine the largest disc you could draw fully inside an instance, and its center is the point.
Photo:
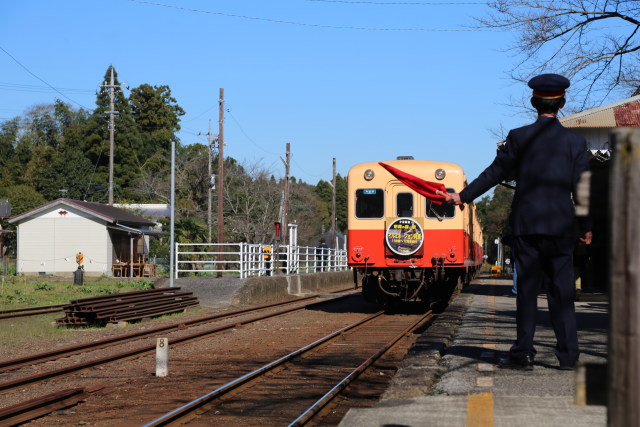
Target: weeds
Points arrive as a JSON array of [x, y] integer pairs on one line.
[[19, 292]]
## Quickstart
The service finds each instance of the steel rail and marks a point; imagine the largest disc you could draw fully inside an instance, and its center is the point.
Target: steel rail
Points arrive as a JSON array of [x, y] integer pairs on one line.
[[148, 348], [55, 354], [30, 311], [180, 412], [35, 408], [331, 394]]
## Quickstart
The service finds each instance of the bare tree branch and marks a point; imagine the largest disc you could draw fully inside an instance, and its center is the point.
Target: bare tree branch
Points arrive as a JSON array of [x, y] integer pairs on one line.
[[595, 43]]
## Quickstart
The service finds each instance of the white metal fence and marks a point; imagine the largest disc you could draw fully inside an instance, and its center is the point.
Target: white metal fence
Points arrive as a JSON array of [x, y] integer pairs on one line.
[[256, 259]]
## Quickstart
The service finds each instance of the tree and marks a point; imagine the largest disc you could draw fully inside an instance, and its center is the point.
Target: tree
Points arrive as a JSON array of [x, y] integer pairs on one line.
[[595, 43], [157, 116], [325, 193], [68, 175], [493, 212], [251, 203], [8, 141], [22, 199], [304, 205], [127, 143], [341, 204]]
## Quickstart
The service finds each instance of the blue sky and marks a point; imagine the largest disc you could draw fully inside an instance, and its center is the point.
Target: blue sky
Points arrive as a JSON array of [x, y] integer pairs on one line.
[[358, 81]]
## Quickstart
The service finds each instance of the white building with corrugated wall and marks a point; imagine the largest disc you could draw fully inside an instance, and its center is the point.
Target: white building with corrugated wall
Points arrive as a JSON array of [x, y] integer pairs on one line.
[[110, 240]]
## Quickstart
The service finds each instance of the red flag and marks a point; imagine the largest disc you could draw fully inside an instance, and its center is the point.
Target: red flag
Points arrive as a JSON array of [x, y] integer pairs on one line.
[[433, 191]]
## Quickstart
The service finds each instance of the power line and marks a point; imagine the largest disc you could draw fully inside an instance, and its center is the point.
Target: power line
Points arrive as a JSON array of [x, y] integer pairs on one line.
[[394, 3], [267, 151], [302, 24], [199, 115], [39, 89], [30, 72], [248, 137]]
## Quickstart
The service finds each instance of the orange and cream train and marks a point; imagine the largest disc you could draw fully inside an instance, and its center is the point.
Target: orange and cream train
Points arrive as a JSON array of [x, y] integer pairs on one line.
[[403, 246]]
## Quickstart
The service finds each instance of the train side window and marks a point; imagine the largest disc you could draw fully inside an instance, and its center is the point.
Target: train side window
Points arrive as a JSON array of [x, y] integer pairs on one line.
[[445, 210], [404, 205], [369, 203]]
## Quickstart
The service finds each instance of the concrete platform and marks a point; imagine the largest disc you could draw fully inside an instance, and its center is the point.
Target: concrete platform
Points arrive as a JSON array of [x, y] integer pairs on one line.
[[450, 377], [227, 290]]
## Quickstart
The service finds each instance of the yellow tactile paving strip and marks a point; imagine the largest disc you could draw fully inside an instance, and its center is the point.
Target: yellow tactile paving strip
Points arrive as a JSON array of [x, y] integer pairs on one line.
[[480, 406]]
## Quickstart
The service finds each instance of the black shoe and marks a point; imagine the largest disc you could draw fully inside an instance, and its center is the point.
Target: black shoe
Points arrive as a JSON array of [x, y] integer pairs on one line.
[[567, 367], [525, 364]]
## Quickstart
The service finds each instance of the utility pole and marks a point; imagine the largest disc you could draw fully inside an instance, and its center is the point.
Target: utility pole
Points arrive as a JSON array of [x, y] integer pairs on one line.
[[220, 178], [333, 208], [212, 180], [285, 214], [112, 127]]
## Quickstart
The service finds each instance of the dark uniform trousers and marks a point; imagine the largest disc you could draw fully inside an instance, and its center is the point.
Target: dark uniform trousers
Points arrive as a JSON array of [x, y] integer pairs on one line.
[[546, 261]]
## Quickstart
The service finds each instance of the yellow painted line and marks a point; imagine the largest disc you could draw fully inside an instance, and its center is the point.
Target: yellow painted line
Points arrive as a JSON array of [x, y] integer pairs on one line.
[[480, 410]]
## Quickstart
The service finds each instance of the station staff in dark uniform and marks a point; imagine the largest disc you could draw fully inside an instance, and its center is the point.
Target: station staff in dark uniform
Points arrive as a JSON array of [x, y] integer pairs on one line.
[[547, 161]]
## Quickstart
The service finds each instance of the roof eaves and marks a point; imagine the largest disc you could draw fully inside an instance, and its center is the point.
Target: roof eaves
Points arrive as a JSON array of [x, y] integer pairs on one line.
[[599, 117], [67, 202]]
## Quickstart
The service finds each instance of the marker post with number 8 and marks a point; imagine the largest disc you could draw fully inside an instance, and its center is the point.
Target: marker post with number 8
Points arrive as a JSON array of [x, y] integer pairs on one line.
[[162, 357]]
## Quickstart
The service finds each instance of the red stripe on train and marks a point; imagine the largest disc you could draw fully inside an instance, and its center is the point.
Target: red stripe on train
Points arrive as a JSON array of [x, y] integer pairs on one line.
[[369, 247]]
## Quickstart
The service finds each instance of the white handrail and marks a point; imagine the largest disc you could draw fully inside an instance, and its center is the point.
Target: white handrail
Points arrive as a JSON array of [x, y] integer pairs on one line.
[[249, 259]]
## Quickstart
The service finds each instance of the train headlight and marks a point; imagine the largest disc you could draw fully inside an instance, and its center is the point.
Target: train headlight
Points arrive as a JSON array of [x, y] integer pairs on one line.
[[440, 174], [369, 174]]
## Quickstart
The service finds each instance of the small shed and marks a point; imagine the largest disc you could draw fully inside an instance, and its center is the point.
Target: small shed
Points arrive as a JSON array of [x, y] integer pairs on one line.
[[58, 236]]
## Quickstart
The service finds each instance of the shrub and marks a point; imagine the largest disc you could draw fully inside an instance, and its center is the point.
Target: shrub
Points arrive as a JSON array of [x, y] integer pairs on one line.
[[44, 287]]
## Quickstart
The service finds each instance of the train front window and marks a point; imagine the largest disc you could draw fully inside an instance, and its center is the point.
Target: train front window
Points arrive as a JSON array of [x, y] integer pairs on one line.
[[445, 210], [404, 205], [369, 203]]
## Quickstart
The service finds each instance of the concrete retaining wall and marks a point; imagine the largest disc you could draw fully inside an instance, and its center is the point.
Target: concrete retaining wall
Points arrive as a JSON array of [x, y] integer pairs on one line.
[[266, 289]]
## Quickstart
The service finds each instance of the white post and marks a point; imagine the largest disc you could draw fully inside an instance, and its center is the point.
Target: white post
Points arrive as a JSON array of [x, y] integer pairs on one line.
[[243, 259], [162, 357]]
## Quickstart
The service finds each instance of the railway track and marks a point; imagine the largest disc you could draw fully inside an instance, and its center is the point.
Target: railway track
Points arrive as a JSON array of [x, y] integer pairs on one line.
[[180, 327], [293, 389], [11, 364], [210, 369], [41, 405]]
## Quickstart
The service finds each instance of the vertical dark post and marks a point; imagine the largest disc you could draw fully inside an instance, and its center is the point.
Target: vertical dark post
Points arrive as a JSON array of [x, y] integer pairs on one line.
[[220, 180], [624, 338]]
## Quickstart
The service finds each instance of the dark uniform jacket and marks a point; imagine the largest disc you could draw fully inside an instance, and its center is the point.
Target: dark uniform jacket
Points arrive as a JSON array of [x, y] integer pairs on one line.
[[546, 160]]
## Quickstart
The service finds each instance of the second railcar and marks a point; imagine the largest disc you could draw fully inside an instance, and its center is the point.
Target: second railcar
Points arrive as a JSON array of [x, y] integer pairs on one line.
[[403, 246]]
